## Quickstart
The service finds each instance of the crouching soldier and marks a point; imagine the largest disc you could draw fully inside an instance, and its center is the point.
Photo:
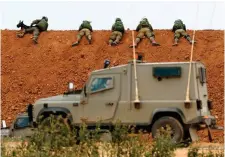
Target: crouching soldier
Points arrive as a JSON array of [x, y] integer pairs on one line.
[[84, 29], [40, 26], [145, 29], [179, 30], [117, 32]]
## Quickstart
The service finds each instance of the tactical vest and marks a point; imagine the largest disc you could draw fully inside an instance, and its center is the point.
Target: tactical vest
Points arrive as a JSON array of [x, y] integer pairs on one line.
[[144, 23], [179, 25], [86, 24], [42, 25], [118, 26]]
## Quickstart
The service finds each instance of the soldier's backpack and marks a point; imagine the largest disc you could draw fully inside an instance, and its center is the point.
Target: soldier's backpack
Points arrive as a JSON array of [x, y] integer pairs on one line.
[[119, 26], [178, 24], [86, 24], [144, 23]]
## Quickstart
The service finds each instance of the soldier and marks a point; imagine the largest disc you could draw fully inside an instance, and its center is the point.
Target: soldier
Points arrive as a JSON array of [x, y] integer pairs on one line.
[[145, 29], [84, 29], [117, 32], [179, 30], [40, 26]]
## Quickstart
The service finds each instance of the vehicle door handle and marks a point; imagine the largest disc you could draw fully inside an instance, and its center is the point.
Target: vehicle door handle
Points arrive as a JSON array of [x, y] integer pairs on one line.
[[75, 104], [109, 104]]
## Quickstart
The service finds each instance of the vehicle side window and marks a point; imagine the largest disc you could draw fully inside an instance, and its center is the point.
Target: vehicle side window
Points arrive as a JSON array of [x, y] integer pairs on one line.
[[22, 122], [100, 84], [202, 73], [166, 72]]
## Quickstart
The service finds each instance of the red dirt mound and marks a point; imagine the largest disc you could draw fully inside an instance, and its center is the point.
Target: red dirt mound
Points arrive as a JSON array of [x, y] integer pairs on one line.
[[32, 71]]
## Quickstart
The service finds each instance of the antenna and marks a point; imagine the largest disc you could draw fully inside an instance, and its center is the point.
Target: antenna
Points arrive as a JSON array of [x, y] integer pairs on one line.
[[187, 101], [136, 101]]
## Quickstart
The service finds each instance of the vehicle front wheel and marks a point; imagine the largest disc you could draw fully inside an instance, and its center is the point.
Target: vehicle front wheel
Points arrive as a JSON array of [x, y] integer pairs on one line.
[[177, 130]]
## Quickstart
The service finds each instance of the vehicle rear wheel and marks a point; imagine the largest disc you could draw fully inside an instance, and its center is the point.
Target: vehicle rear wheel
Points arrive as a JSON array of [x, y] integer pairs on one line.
[[177, 130]]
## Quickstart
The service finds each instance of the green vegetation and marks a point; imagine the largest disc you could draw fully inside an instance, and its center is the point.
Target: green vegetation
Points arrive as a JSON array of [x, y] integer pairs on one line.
[[54, 138]]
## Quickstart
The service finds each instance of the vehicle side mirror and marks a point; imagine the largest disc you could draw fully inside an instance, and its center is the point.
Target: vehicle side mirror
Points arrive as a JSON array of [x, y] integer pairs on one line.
[[70, 86], [3, 124]]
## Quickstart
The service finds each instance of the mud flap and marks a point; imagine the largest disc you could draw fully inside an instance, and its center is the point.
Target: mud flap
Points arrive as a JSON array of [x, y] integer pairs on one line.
[[209, 134], [193, 133]]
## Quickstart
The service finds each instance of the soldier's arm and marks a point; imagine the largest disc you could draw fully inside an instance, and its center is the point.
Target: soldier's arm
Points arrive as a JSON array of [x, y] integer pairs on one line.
[[35, 22], [113, 27], [81, 26], [173, 29], [150, 27], [91, 29], [47, 27], [185, 27], [138, 28], [123, 30]]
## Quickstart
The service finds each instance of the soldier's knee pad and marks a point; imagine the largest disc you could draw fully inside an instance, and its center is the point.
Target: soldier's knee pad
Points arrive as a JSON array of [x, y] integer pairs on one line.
[[110, 41], [176, 36], [112, 37], [152, 34], [89, 37], [138, 38]]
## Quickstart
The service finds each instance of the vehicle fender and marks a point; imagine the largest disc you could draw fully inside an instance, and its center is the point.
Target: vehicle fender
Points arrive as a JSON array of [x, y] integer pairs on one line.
[[55, 110], [168, 110]]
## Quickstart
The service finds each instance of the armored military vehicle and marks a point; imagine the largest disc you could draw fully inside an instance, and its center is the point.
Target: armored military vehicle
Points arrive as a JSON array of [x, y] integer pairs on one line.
[[111, 94]]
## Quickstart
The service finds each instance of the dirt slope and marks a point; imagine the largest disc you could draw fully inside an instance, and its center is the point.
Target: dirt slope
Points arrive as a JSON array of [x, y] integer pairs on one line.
[[32, 71]]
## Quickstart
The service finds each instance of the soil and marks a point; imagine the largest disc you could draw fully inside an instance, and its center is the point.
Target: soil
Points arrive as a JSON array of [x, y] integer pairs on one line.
[[30, 72]]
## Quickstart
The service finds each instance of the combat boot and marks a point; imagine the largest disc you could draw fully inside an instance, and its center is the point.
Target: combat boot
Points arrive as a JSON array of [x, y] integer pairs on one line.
[[20, 34], [75, 44], [175, 42], [131, 46], [89, 41], [189, 40], [35, 40], [114, 43], [154, 43]]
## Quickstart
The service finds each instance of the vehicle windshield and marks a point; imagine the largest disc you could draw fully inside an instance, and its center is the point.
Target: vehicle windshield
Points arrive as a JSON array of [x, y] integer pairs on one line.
[[22, 122]]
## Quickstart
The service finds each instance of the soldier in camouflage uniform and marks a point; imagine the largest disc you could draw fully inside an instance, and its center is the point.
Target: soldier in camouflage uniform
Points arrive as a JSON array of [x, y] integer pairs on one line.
[[40, 26], [84, 29], [117, 32], [145, 29], [179, 30]]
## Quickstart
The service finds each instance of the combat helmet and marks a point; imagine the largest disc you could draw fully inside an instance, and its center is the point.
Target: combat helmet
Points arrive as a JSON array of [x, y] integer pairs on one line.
[[118, 19], [44, 17]]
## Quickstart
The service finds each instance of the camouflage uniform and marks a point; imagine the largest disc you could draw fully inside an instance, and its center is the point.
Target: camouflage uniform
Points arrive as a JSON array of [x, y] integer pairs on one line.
[[41, 25], [84, 29], [117, 32], [145, 29], [179, 30]]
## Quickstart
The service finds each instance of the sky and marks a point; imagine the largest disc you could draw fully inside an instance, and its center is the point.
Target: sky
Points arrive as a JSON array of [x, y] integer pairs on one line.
[[68, 15]]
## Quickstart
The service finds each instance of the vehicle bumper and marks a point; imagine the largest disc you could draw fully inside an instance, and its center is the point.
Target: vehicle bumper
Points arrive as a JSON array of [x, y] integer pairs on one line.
[[205, 121]]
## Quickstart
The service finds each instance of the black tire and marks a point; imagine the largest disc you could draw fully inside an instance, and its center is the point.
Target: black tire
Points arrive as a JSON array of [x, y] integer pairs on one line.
[[178, 130]]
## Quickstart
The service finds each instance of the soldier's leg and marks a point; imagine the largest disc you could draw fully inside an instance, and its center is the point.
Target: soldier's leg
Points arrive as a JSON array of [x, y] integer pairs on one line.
[[25, 31], [186, 36], [112, 38], [35, 35], [79, 36], [88, 35], [118, 38], [138, 39], [151, 37], [176, 37]]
